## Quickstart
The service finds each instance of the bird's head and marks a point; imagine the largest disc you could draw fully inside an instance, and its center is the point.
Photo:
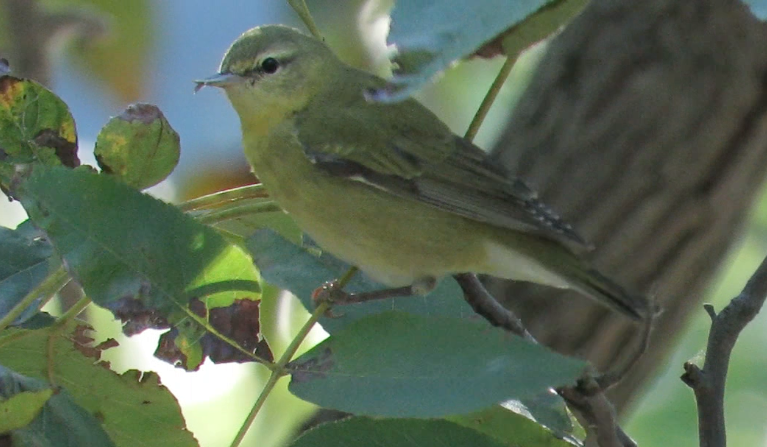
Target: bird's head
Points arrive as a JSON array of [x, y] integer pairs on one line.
[[273, 70]]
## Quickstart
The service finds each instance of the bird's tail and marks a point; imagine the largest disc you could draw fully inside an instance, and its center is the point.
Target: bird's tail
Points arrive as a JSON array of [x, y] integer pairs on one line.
[[592, 283]]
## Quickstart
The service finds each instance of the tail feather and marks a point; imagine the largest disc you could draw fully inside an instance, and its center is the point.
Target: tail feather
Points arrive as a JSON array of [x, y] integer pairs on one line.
[[606, 291]]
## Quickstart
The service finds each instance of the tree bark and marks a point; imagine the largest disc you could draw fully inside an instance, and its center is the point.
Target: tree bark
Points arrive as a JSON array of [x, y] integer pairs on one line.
[[645, 126]]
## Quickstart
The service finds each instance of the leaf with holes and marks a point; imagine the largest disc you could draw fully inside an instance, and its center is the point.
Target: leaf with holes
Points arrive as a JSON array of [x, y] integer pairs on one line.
[[143, 259], [133, 408], [35, 127]]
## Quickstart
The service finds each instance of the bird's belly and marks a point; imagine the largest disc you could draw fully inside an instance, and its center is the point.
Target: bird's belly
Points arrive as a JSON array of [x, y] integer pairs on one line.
[[395, 241]]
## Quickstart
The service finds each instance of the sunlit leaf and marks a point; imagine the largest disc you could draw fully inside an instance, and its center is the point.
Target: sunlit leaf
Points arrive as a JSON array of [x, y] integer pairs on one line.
[[17, 410], [133, 408], [35, 127], [146, 261], [138, 146]]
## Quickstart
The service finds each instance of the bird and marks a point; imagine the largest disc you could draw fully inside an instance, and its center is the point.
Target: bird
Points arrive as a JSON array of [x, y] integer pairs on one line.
[[388, 187]]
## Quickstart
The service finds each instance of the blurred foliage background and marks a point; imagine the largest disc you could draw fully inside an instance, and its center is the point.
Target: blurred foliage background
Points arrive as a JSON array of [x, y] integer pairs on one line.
[[114, 53]]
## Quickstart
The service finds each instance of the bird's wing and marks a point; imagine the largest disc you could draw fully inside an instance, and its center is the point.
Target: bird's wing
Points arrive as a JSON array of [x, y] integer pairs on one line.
[[414, 155]]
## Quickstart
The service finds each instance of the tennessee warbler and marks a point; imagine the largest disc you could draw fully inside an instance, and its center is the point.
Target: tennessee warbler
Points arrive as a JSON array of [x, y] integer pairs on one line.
[[388, 187]]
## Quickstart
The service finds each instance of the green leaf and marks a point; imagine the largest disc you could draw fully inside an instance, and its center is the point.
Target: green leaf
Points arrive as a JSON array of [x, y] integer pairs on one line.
[[35, 127], [143, 259], [430, 35], [133, 408], [401, 365], [360, 431], [302, 269], [139, 146], [22, 408], [24, 264], [513, 424], [57, 419]]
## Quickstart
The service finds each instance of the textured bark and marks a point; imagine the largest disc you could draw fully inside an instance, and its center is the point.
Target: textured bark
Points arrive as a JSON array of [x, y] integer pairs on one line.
[[646, 127]]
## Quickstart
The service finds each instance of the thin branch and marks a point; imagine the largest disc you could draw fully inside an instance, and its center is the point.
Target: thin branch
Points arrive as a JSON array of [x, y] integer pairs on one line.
[[596, 414], [587, 398], [279, 371], [489, 99], [708, 383], [44, 291]]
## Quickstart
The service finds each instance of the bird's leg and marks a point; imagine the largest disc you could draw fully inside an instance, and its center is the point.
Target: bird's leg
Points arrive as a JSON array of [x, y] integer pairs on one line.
[[332, 293]]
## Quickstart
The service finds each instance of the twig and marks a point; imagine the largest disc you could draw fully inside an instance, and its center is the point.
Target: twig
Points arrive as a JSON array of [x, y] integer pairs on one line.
[[612, 377], [708, 382], [44, 291], [279, 371], [596, 414], [489, 99], [221, 198]]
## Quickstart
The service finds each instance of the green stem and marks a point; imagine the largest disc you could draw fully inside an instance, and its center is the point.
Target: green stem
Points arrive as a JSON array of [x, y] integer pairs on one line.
[[45, 290], [234, 212], [72, 312], [299, 6], [347, 277], [279, 371], [230, 195], [487, 103]]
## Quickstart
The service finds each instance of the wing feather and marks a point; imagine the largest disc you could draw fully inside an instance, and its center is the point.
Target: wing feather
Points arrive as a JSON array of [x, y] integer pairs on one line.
[[413, 154]]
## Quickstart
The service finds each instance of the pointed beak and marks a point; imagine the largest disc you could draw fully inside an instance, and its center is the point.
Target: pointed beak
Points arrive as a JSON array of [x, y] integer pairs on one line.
[[221, 80]]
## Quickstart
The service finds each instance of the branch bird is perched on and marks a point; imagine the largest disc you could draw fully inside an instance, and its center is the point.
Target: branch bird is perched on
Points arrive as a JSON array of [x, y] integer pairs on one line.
[[388, 187]]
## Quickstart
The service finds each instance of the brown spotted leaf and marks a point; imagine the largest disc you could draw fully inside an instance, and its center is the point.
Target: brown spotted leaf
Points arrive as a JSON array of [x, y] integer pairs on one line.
[[139, 146], [238, 322], [35, 128], [141, 258]]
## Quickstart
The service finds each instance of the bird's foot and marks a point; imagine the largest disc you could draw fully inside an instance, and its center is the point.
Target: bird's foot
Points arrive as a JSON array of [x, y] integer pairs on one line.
[[331, 293]]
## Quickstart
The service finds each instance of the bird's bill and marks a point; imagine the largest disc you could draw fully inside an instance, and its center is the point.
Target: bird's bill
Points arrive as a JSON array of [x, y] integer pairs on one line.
[[220, 80]]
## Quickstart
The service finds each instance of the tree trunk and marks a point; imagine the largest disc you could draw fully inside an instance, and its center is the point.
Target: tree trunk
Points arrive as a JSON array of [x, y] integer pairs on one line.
[[645, 126]]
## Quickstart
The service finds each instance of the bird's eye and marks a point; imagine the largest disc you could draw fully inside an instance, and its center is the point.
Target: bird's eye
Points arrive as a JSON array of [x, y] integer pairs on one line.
[[270, 65]]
